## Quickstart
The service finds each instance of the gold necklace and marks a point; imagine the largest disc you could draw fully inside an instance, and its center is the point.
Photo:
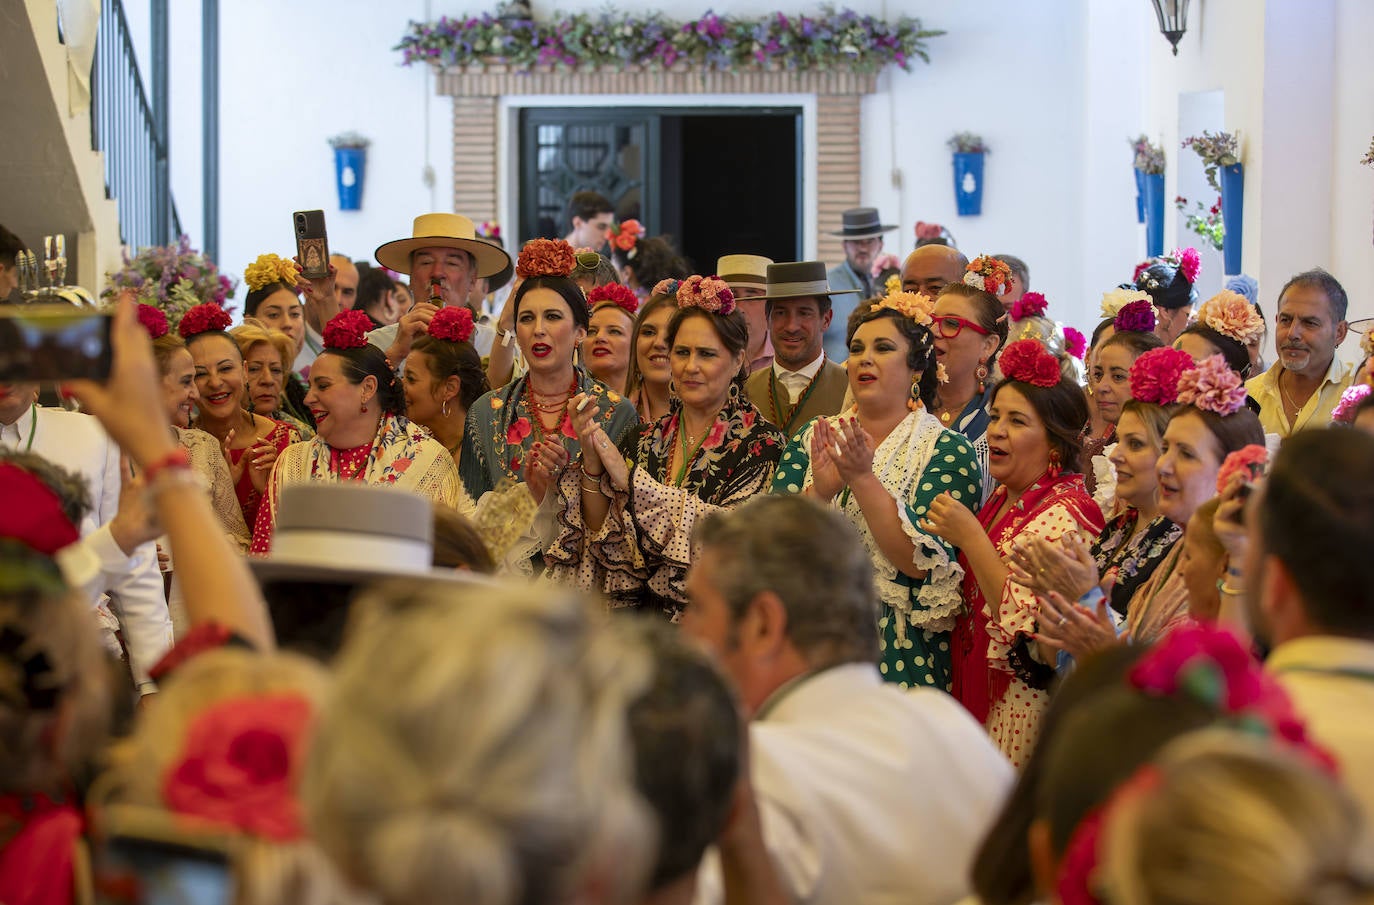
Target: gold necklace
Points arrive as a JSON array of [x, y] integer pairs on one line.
[[1287, 400]]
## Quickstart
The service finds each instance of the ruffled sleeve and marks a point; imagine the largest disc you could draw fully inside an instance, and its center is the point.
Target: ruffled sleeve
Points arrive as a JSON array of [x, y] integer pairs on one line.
[[793, 474]]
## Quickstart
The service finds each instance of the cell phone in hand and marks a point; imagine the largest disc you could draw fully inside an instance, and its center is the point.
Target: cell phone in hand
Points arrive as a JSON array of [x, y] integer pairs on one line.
[[53, 342], [312, 244]]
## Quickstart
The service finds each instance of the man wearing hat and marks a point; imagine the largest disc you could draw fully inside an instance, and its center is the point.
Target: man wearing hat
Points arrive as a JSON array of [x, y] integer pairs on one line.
[[443, 257], [747, 277], [802, 383], [861, 232]]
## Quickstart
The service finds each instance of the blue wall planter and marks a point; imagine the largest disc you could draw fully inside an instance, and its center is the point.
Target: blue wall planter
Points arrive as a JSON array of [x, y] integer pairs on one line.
[[1139, 195], [1232, 180], [968, 183], [350, 165], [1154, 214]]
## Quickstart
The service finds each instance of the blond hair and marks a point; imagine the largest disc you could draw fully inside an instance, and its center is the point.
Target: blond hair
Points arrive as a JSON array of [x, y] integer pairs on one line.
[[475, 750], [253, 331], [266, 872], [1233, 819]]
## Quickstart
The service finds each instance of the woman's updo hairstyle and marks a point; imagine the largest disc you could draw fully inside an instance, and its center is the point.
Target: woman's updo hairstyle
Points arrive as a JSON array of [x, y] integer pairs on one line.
[[727, 320], [548, 264], [1167, 281], [253, 331], [1135, 342], [265, 277], [920, 354], [1237, 356], [1233, 432], [1059, 402], [652, 261], [346, 337], [989, 313], [449, 352]]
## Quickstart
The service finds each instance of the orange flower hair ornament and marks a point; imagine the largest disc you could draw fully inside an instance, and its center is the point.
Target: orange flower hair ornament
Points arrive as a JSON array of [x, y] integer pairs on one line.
[[1231, 314], [625, 236], [911, 305], [545, 258], [989, 274]]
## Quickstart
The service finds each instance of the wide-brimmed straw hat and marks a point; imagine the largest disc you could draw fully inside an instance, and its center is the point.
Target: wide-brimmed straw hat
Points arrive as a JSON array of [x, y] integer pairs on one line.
[[800, 280], [444, 231], [743, 270], [862, 223], [350, 533]]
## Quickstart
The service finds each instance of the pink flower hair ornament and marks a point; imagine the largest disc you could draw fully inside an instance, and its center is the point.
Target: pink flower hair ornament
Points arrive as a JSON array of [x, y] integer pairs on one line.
[[1344, 412], [622, 297], [992, 275], [452, 324], [1155, 375], [1189, 262], [1231, 314], [1136, 317], [204, 318], [707, 293], [926, 230], [1028, 361], [153, 320], [1031, 304], [911, 305], [1075, 343], [1249, 460], [1212, 387], [347, 330]]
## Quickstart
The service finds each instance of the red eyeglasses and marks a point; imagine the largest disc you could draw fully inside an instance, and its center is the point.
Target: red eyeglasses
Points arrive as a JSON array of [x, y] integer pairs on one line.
[[951, 325]]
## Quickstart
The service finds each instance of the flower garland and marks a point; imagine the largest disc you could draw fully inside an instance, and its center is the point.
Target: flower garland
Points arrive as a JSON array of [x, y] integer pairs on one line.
[[1116, 299], [1344, 412], [1075, 343], [1212, 387], [206, 318], [1231, 314], [988, 274], [1136, 317], [546, 258], [1249, 460], [174, 278], [153, 320], [347, 330], [912, 305], [452, 324], [625, 236], [833, 40], [1031, 304], [707, 293], [269, 269], [614, 294], [1028, 361], [1155, 375]]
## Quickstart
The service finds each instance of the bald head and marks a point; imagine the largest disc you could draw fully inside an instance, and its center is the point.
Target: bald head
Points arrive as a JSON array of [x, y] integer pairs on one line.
[[345, 281], [929, 268]]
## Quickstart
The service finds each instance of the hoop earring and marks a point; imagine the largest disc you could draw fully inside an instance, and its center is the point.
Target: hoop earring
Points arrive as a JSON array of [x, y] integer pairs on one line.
[[982, 375], [444, 408], [913, 402], [672, 387]]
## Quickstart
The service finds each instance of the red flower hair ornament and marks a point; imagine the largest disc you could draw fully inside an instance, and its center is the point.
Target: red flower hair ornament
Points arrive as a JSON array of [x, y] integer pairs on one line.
[[203, 318], [546, 258], [1075, 343], [1250, 461], [1027, 361], [624, 236], [614, 293], [1154, 376], [239, 765], [989, 274], [1032, 304], [347, 330], [707, 293], [452, 324], [153, 320]]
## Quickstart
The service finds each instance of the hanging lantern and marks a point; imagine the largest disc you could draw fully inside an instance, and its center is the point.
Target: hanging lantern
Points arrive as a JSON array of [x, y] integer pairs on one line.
[[1173, 19]]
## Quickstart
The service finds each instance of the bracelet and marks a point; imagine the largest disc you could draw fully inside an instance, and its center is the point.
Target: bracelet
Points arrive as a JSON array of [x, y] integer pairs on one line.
[[176, 460], [1229, 591], [505, 336], [592, 488], [593, 474]]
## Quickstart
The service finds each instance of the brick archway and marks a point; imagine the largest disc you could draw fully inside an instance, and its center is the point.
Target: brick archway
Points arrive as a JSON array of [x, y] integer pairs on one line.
[[476, 95]]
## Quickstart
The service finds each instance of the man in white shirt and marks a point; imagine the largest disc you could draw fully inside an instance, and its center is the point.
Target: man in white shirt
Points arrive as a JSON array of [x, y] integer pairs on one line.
[[867, 792], [78, 444], [802, 383], [1309, 592]]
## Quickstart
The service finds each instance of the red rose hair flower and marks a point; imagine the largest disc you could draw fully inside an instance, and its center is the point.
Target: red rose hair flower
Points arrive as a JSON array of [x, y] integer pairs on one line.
[[1248, 460], [1075, 343], [347, 330], [1154, 376], [615, 294], [625, 235], [153, 320], [708, 293], [203, 318], [453, 324], [239, 765], [1027, 361], [1032, 304], [546, 258], [1136, 317]]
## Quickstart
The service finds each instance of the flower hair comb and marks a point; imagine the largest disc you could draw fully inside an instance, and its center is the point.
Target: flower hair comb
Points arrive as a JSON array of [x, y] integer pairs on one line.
[[992, 275], [545, 258]]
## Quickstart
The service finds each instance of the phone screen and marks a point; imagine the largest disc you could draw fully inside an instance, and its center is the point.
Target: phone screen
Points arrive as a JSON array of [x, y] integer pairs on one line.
[[137, 871], [41, 343]]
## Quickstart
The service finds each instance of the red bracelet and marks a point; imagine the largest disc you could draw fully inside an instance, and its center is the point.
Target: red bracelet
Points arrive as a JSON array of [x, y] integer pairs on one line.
[[178, 459]]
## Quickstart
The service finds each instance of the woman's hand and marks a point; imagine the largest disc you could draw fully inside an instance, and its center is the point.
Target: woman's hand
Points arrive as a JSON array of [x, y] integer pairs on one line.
[[546, 463], [584, 408], [825, 478], [1065, 566], [319, 292], [1228, 523], [264, 456], [950, 519], [235, 468], [853, 450], [1076, 629]]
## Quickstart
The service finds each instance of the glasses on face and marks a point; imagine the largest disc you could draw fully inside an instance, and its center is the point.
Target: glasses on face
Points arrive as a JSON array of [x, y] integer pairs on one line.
[[951, 325]]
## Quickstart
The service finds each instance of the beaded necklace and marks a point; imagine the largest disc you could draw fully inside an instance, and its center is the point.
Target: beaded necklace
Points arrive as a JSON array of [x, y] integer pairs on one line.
[[538, 410], [680, 439]]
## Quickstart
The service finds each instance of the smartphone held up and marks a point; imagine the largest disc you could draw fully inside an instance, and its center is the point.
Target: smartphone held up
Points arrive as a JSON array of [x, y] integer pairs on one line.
[[53, 342]]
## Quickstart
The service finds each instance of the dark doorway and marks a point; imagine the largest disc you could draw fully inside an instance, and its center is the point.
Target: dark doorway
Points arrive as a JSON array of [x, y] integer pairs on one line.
[[717, 180]]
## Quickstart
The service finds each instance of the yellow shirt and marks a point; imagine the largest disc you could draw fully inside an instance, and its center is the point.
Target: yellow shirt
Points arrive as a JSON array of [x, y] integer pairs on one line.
[[1315, 412]]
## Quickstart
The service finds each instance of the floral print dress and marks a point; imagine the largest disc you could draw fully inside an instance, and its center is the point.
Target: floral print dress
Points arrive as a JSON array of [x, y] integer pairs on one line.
[[916, 462], [639, 556]]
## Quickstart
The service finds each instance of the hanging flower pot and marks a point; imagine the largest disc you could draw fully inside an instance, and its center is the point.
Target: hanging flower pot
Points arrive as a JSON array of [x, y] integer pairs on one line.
[[969, 151], [1139, 195], [1148, 158], [1232, 180], [1154, 213], [350, 166]]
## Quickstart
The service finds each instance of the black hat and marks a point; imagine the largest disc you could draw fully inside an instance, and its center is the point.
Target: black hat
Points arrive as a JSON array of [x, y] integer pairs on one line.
[[800, 280], [862, 223]]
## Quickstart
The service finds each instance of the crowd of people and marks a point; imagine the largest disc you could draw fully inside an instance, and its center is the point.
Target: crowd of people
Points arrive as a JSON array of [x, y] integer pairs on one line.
[[567, 575]]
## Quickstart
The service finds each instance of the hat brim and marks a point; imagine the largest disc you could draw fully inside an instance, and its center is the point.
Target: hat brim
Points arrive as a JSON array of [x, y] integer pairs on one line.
[[491, 260], [280, 568], [1362, 325], [501, 279], [877, 232], [806, 295]]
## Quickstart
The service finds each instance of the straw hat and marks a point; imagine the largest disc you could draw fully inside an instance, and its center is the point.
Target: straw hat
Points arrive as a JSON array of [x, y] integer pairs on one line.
[[444, 231], [743, 270]]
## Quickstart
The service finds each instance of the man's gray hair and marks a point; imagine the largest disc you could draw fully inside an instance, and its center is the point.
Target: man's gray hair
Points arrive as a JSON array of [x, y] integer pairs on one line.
[[812, 557]]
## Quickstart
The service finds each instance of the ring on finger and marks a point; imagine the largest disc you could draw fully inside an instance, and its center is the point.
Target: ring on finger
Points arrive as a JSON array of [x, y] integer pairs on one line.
[[1062, 620]]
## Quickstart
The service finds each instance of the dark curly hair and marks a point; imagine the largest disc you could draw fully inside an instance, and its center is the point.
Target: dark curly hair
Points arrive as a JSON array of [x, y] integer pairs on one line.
[[450, 359], [732, 330], [1064, 411], [920, 354], [370, 361]]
